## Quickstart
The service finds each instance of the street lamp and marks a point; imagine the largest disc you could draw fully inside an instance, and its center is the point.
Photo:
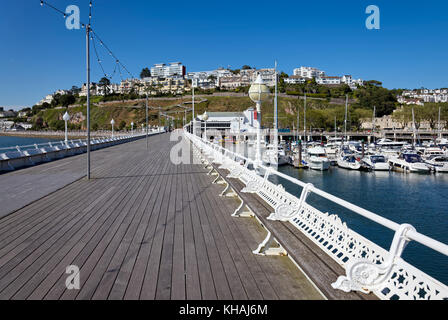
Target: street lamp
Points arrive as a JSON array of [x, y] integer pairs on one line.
[[132, 128], [112, 122], [205, 118], [258, 93], [66, 118]]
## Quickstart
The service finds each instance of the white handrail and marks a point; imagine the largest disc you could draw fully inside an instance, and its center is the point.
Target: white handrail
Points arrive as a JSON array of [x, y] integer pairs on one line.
[[411, 234]]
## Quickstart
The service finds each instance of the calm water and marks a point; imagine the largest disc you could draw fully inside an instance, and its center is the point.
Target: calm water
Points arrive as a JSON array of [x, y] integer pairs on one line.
[[6, 141], [420, 200]]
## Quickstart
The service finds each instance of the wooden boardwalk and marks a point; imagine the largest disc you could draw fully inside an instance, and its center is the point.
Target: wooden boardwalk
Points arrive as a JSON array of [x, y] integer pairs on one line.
[[143, 228]]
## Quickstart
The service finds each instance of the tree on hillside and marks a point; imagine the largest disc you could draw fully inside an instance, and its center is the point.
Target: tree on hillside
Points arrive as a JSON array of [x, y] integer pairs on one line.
[[104, 83], [146, 73], [67, 100], [246, 67], [373, 94]]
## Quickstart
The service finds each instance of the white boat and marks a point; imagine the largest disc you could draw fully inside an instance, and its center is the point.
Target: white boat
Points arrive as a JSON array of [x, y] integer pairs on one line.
[[275, 157], [442, 142], [431, 152], [389, 143], [349, 161], [409, 162], [376, 162], [317, 159], [438, 163], [332, 149]]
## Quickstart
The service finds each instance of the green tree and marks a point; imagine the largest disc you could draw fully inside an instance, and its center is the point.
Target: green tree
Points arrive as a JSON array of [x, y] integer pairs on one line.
[[146, 73], [373, 94], [66, 100]]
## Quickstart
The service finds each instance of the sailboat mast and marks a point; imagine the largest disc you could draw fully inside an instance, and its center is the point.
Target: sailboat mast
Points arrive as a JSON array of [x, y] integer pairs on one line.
[[335, 129], [345, 121], [304, 119], [275, 109], [438, 125], [413, 124], [298, 122], [373, 124]]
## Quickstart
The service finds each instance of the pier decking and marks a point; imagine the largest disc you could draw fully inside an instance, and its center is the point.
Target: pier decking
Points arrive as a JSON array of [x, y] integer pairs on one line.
[[143, 228]]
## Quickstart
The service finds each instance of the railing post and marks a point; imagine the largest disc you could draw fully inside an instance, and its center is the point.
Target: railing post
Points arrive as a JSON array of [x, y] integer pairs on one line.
[[366, 276]]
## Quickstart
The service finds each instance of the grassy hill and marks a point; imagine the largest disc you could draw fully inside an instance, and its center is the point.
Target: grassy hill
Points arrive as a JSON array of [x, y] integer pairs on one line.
[[320, 113]]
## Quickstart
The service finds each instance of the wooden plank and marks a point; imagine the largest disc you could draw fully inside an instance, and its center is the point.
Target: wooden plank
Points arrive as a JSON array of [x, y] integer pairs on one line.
[[207, 285], [234, 281], [192, 279], [149, 287], [121, 283], [69, 244], [178, 285]]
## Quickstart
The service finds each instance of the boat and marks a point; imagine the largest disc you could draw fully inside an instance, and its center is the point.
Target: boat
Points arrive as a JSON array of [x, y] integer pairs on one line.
[[409, 162], [332, 149], [272, 156], [317, 159], [431, 152], [442, 142], [348, 160], [376, 162], [389, 143], [438, 163]]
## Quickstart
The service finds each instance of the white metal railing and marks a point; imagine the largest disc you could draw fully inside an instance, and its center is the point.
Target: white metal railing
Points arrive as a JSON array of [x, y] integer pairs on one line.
[[369, 267], [15, 157]]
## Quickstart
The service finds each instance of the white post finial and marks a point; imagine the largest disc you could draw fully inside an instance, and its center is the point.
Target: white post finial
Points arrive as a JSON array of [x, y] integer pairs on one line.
[[112, 122], [66, 118]]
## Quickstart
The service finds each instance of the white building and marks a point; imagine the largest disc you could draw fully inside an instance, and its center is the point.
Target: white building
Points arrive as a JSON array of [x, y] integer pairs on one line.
[[308, 72], [295, 80], [328, 80], [422, 96], [163, 71], [48, 99], [233, 122]]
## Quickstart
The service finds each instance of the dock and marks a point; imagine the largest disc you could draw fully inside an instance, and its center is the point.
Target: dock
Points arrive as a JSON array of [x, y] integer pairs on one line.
[[142, 228]]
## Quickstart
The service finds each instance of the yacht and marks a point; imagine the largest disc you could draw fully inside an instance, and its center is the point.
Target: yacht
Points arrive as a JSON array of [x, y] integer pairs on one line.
[[332, 149], [431, 152], [347, 159], [317, 159], [438, 163], [409, 162], [389, 143], [272, 156], [376, 162]]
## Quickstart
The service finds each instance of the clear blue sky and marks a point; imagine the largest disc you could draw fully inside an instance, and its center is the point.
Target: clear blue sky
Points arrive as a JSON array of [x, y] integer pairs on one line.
[[38, 55]]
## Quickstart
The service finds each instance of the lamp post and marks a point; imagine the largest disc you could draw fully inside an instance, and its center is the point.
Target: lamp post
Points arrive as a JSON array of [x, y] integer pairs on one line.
[[205, 118], [112, 122], [66, 118], [258, 93], [132, 128]]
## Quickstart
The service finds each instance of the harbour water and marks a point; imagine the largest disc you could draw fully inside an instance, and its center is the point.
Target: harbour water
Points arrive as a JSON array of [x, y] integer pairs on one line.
[[10, 141], [418, 199]]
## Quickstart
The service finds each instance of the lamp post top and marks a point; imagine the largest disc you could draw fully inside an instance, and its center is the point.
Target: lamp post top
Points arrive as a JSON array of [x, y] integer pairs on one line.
[[259, 91], [112, 122], [66, 116]]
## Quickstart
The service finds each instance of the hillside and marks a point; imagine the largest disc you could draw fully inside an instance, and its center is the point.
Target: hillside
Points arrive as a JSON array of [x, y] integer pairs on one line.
[[320, 112]]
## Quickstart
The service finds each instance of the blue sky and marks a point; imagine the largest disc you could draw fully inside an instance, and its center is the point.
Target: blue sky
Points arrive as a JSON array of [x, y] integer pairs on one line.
[[38, 55]]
